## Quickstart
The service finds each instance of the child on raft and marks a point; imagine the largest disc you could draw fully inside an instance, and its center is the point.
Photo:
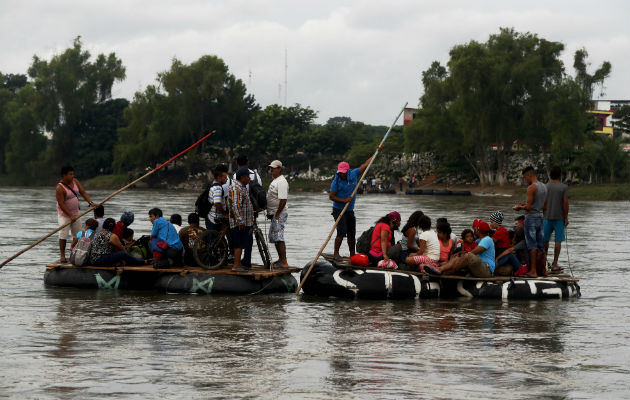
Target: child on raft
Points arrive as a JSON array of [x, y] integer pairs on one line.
[[429, 251]]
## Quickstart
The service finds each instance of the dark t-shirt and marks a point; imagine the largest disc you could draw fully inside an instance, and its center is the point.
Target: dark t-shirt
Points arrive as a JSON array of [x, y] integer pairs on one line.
[[556, 192], [188, 235]]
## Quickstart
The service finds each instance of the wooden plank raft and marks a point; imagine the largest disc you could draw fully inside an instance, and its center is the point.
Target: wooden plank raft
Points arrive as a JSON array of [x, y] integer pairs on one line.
[[344, 263], [257, 271]]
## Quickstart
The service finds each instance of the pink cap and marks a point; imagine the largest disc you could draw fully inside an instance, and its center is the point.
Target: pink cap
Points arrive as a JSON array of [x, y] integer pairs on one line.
[[343, 167], [394, 215]]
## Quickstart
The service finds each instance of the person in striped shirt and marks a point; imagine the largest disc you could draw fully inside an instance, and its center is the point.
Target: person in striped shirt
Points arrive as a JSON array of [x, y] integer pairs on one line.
[[241, 221]]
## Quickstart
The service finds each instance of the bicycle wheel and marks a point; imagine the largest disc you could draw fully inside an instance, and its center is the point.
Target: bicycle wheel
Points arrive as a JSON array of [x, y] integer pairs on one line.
[[262, 247], [210, 250]]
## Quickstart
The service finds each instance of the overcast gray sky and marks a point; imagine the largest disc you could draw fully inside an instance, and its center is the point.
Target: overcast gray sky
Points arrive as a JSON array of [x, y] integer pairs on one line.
[[356, 58]]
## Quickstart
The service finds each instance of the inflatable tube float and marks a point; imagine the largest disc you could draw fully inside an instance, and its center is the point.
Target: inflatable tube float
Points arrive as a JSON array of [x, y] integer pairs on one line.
[[515, 288], [381, 191], [326, 280], [174, 280]]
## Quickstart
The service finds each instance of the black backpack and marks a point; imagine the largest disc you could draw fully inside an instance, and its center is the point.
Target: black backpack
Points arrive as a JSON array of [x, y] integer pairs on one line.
[[363, 242], [257, 195], [203, 205]]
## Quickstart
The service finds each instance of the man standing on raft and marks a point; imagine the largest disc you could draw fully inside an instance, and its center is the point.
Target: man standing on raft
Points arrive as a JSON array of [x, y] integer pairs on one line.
[[341, 193]]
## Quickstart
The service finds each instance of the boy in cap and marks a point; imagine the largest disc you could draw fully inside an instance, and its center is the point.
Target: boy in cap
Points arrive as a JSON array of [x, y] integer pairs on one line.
[[241, 221], [501, 239], [341, 190]]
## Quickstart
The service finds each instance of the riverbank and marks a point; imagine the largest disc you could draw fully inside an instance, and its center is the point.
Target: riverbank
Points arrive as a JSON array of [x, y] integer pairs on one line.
[[602, 192]]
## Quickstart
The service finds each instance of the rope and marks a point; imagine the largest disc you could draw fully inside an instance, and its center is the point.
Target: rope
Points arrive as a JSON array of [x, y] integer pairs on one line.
[[273, 278], [566, 236]]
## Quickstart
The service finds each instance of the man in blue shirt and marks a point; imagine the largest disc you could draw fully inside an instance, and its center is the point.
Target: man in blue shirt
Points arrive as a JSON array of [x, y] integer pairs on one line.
[[165, 243], [480, 261], [341, 189]]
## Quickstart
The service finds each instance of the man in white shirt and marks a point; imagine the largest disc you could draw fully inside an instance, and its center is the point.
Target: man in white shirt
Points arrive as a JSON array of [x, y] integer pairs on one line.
[[243, 161], [277, 211]]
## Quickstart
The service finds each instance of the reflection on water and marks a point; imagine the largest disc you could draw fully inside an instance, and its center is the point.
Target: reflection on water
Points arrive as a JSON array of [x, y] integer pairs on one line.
[[69, 343]]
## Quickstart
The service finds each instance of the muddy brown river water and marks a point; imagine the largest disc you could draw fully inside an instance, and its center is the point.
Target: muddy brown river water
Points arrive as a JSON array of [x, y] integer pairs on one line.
[[76, 344]]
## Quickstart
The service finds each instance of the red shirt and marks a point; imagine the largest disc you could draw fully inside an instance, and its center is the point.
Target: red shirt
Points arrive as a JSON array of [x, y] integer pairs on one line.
[[502, 238], [118, 229], [469, 246], [375, 240]]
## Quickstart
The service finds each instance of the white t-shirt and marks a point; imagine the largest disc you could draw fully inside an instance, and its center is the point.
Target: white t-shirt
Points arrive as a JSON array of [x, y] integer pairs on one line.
[[432, 248], [253, 175], [278, 190]]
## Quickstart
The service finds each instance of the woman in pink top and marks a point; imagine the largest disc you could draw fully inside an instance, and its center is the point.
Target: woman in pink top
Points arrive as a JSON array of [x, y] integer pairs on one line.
[[446, 243], [382, 236]]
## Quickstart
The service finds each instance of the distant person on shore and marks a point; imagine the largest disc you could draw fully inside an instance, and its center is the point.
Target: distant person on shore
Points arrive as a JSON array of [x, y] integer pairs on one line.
[[241, 221], [67, 194], [176, 220], [429, 246], [364, 185], [536, 195], [126, 219], [99, 216], [165, 243], [107, 249], [479, 261], [277, 196], [188, 235], [400, 183], [341, 189], [556, 215]]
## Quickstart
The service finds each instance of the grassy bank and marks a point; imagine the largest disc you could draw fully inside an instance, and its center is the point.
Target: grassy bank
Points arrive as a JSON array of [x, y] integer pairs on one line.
[[106, 182], [608, 192]]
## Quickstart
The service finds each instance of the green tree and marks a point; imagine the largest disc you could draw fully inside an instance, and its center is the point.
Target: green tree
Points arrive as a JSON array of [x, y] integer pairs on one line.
[[622, 115], [67, 86], [9, 85]]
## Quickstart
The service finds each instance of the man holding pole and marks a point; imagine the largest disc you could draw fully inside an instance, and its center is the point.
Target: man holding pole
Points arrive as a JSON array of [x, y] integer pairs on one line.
[[67, 194], [341, 190]]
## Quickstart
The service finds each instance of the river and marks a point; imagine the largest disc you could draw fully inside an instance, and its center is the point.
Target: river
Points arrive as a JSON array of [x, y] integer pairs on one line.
[[75, 344]]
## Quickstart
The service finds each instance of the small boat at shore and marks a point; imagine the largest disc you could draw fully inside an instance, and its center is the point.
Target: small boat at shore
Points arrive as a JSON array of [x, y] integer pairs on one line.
[[432, 192], [341, 279], [184, 279]]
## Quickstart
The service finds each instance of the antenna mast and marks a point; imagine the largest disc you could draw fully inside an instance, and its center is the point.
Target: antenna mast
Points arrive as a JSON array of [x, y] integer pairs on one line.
[[286, 66]]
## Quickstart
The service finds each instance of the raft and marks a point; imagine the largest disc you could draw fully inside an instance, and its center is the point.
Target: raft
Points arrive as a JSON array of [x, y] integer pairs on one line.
[[381, 191], [340, 279], [173, 280], [438, 192]]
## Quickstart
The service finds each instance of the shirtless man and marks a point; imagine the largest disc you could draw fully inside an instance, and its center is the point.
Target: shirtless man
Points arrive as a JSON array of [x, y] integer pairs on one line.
[[68, 208]]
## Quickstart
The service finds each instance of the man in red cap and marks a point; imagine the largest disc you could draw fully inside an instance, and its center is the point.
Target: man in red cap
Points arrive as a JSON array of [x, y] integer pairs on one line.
[[480, 261], [341, 190]]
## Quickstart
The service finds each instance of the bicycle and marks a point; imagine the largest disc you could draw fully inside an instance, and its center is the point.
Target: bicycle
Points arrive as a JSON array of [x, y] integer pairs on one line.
[[211, 249]]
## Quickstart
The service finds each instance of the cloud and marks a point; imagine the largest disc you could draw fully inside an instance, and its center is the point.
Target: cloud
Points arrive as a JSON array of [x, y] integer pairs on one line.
[[361, 59]]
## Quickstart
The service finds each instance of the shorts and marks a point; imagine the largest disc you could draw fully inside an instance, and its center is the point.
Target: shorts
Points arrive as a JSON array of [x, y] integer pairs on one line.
[[64, 233], [557, 227], [347, 225], [425, 260], [477, 267], [534, 233], [276, 230], [242, 239]]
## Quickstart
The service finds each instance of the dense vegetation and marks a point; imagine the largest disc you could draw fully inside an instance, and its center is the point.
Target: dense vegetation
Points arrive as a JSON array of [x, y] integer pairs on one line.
[[512, 89]]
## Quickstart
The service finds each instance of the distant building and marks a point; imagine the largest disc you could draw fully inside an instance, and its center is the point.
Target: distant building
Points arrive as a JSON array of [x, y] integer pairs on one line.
[[409, 114], [603, 111]]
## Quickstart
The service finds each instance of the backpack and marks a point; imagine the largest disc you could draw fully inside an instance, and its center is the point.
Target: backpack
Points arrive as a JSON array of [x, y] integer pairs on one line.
[[257, 195], [363, 242], [81, 252], [141, 248], [203, 205]]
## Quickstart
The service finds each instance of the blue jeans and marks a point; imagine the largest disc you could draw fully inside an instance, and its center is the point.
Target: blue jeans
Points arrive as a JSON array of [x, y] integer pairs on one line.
[[111, 259], [511, 259], [534, 233]]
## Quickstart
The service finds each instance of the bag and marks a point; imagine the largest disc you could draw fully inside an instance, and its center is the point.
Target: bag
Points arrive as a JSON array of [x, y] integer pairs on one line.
[[360, 260], [394, 252], [257, 194], [363, 242], [203, 205], [389, 264], [81, 252]]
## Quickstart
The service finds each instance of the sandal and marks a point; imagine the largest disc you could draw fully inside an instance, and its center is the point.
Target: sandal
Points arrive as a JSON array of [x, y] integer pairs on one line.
[[277, 265], [431, 270]]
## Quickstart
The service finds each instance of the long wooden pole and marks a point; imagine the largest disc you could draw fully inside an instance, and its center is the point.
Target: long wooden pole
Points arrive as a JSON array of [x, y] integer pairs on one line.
[[106, 199], [354, 192]]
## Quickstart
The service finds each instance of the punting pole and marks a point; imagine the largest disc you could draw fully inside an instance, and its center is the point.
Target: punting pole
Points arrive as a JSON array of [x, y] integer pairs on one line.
[[354, 192], [106, 199]]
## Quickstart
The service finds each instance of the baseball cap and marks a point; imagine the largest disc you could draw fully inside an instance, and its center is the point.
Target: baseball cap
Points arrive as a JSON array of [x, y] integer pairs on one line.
[[483, 227], [394, 215], [343, 167], [242, 172], [276, 164]]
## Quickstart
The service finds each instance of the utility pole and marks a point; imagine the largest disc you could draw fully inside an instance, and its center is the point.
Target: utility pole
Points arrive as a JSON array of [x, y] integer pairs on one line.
[[286, 66]]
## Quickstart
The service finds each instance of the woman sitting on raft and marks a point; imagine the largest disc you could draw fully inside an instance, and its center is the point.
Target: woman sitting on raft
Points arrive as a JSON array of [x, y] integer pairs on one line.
[[429, 251], [381, 239], [410, 242], [107, 250]]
